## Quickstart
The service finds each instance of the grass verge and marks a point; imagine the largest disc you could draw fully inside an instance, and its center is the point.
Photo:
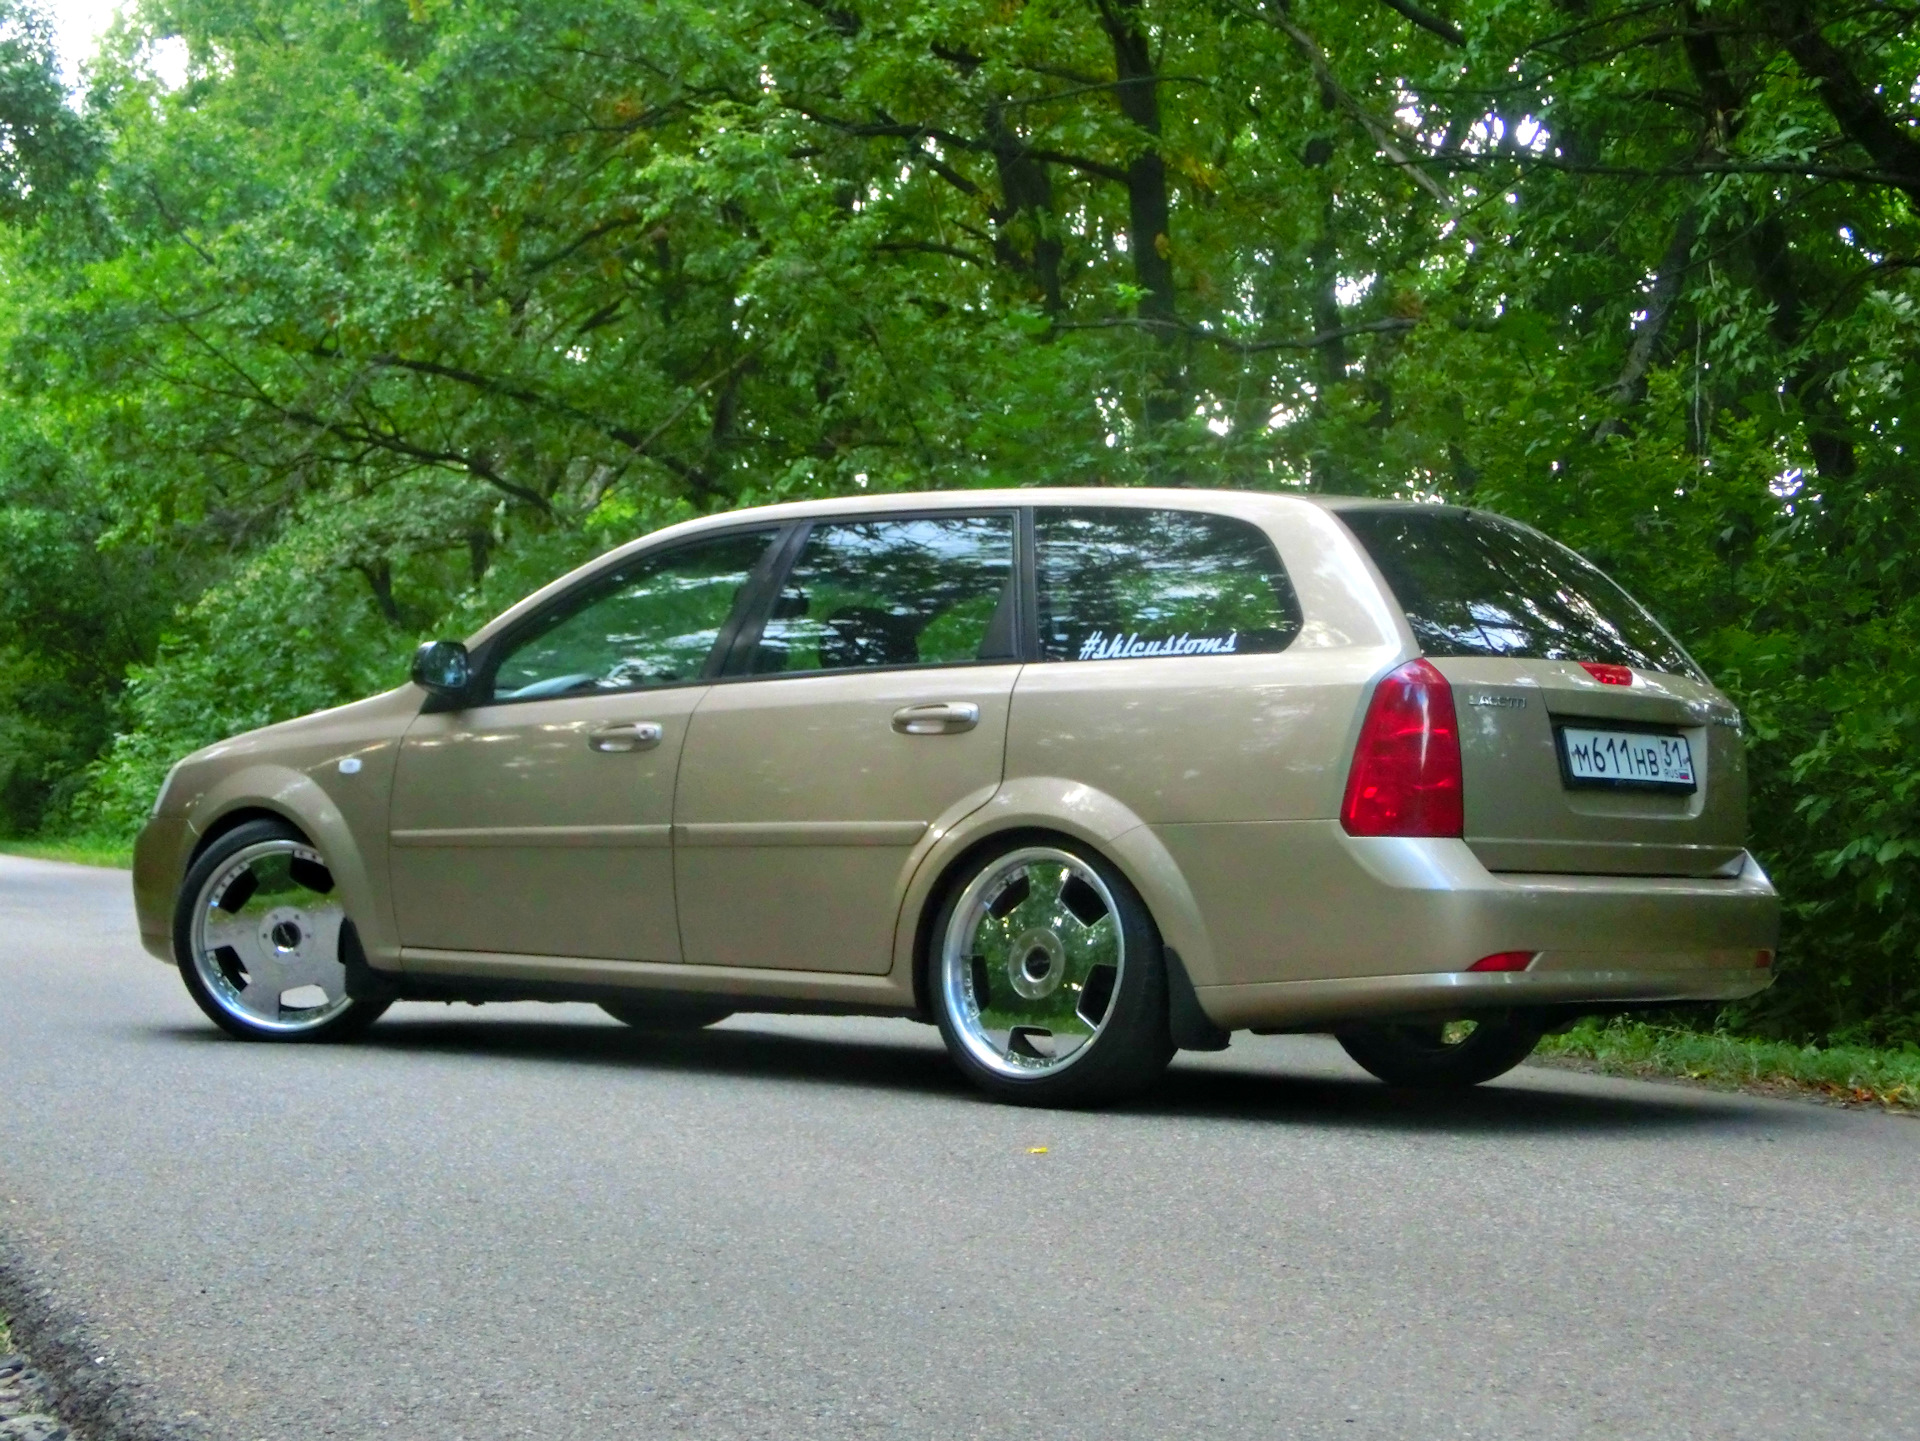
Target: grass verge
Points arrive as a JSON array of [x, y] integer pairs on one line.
[[1854, 1075], [79, 850]]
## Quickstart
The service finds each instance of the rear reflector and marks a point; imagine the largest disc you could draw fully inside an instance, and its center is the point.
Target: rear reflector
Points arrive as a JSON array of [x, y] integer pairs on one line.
[[1405, 779], [1763, 960], [1504, 961], [1608, 674]]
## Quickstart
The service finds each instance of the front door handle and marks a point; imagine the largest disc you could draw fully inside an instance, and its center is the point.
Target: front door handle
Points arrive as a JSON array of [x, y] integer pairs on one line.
[[942, 718], [625, 736]]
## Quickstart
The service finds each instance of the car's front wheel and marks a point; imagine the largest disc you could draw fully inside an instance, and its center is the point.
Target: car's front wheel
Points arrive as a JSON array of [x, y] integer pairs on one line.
[[1447, 1055], [257, 932], [1047, 978]]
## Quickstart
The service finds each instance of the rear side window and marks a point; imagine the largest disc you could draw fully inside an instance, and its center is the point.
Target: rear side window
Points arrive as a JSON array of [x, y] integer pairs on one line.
[[1474, 584], [933, 590], [1118, 584]]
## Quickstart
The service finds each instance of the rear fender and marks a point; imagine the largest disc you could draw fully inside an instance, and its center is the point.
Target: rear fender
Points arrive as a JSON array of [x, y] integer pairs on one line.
[[1075, 810]]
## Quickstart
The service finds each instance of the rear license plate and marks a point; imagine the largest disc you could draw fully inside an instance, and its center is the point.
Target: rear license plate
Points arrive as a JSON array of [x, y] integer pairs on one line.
[[1626, 758]]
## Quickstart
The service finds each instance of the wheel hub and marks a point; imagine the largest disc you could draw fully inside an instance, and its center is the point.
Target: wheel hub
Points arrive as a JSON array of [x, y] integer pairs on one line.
[[1036, 964], [284, 931], [266, 938], [1030, 961]]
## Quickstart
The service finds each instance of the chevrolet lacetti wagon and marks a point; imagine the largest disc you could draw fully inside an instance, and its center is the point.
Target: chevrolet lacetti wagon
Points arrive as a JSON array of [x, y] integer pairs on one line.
[[1081, 776]]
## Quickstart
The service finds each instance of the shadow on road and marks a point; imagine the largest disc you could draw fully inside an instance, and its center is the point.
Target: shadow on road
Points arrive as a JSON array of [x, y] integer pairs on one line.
[[1217, 1091], [1494, 1109]]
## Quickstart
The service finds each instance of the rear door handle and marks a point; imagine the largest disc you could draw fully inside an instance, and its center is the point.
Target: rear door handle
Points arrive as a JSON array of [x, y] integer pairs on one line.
[[625, 736], [941, 718]]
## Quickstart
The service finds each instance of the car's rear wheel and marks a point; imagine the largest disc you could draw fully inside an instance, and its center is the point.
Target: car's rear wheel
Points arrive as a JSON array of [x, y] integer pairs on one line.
[[1047, 978], [667, 1013], [257, 932], [1443, 1055]]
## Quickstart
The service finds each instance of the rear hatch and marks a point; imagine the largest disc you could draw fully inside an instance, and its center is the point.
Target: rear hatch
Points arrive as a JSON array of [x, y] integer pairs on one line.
[[1590, 743]]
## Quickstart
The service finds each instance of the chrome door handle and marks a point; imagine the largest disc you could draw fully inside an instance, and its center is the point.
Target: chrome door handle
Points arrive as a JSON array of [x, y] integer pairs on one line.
[[625, 736], [942, 718]]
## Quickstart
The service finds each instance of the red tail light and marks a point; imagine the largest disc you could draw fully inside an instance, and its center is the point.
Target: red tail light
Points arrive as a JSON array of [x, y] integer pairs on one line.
[[1405, 779], [1504, 961], [1608, 674]]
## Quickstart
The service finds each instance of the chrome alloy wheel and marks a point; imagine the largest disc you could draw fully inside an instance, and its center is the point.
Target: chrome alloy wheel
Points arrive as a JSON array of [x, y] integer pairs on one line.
[[266, 938], [1030, 962]]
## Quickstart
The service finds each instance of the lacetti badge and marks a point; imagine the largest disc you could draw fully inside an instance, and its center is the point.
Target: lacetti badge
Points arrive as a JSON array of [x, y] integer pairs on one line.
[[1101, 646], [1499, 702]]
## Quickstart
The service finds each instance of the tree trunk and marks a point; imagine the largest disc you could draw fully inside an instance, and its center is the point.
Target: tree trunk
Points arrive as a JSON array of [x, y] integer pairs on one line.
[[1148, 208]]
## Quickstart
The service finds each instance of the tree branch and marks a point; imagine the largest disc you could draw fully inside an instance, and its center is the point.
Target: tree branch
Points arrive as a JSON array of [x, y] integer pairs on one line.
[[1632, 384], [1427, 20], [1389, 326], [1848, 99], [1456, 161], [1275, 13], [900, 130]]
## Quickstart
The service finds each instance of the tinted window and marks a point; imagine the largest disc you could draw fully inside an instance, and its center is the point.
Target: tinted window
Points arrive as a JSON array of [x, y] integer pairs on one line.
[[929, 591], [652, 622], [1474, 584], [1120, 583]]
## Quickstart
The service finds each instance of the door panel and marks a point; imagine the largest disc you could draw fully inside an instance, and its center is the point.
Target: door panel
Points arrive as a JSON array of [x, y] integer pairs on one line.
[[512, 832], [538, 820], [879, 709], [800, 802]]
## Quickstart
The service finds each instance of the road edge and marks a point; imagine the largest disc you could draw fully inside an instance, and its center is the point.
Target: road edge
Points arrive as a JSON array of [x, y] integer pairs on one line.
[[91, 1397]]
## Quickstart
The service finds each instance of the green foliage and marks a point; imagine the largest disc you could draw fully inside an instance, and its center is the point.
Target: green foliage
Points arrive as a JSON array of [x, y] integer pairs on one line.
[[111, 852], [393, 311], [1858, 1074], [44, 145]]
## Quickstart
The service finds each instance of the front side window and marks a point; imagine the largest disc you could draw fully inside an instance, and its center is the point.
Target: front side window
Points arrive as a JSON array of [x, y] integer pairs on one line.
[[1116, 584], [651, 622], [1475, 584], [932, 590]]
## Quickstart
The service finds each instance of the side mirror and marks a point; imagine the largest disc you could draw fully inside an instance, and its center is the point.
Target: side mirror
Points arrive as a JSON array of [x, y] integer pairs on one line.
[[442, 668]]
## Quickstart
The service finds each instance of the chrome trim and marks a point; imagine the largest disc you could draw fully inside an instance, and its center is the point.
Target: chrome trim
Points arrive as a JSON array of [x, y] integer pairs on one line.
[[623, 736], [936, 718], [1036, 958], [283, 938]]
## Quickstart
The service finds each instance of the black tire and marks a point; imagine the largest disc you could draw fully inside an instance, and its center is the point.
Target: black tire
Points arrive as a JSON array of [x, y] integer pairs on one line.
[[1130, 1045], [667, 1012], [349, 1021], [1420, 1055]]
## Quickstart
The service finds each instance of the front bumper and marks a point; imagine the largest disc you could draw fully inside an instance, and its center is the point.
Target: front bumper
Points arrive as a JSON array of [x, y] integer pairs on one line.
[[159, 860]]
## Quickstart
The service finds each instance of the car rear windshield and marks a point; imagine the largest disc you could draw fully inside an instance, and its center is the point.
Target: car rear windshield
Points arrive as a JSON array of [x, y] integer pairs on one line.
[[1474, 584]]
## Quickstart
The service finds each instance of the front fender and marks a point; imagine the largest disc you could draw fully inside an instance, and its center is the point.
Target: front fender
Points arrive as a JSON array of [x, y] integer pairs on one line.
[[1072, 809], [297, 798]]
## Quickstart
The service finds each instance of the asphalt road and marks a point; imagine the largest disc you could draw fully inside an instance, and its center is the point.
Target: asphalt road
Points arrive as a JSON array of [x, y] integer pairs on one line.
[[529, 1221]]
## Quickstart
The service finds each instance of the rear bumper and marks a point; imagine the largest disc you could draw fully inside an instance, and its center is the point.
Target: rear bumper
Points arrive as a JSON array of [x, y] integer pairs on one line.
[[1347, 928], [1292, 1005]]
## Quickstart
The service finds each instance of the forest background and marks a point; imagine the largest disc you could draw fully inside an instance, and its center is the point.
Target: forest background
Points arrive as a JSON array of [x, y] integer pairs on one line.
[[359, 318]]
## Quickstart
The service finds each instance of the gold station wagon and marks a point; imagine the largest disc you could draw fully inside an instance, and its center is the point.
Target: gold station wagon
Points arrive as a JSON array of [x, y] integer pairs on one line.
[[1081, 776]]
